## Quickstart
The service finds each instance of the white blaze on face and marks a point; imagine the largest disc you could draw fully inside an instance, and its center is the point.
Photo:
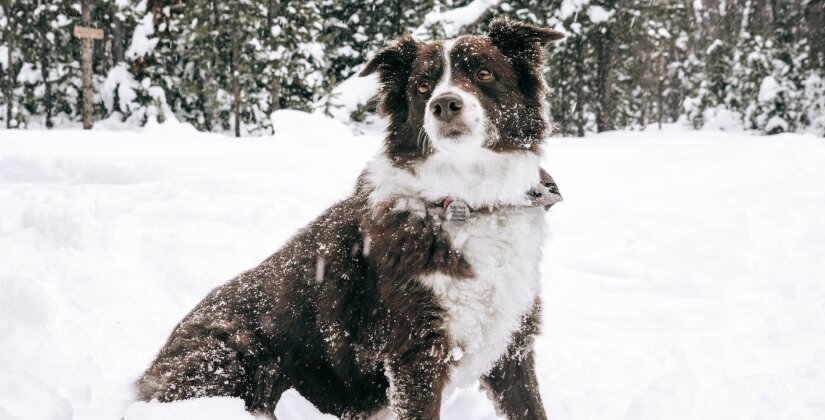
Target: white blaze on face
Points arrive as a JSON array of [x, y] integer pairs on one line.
[[472, 114]]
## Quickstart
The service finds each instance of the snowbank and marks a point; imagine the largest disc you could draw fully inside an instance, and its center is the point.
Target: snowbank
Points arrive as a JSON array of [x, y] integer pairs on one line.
[[683, 279], [291, 125], [215, 408], [292, 406], [25, 398]]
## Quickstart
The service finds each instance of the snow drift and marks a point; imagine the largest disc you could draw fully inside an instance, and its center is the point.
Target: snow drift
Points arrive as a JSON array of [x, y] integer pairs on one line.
[[683, 279]]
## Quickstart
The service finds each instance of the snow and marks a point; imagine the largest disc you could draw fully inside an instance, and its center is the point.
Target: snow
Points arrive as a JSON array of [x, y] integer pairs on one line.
[[142, 42], [713, 46], [17, 392], [119, 80], [293, 406], [4, 57], [571, 7], [683, 278], [451, 21], [29, 74], [348, 95], [723, 119], [290, 124], [768, 89], [214, 408], [776, 123], [314, 49], [598, 14], [814, 96]]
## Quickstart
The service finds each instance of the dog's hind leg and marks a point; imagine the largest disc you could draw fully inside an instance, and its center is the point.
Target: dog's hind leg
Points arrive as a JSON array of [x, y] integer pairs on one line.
[[199, 361]]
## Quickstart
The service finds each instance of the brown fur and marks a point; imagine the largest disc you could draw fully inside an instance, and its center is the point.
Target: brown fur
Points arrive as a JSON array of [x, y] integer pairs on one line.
[[336, 335]]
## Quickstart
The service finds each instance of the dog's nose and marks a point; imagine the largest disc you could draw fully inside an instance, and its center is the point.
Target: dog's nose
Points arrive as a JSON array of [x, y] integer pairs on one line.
[[446, 107]]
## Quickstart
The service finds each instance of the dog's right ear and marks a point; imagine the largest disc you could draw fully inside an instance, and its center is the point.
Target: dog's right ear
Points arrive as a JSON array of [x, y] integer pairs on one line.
[[520, 41], [393, 64], [393, 61]]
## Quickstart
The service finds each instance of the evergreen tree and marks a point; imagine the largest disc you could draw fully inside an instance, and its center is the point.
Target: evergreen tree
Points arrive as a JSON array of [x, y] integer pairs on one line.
[[755, 64], [354, 30], [226, 67], [50, 71], [10, 24], [116, 90]]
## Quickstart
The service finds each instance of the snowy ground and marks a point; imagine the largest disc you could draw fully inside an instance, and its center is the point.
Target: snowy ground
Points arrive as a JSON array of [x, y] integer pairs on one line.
[[685, 278]]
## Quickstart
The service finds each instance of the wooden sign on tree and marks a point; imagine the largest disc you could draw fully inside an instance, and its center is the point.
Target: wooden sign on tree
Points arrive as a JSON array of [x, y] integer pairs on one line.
[[87, 34], [91, 33]]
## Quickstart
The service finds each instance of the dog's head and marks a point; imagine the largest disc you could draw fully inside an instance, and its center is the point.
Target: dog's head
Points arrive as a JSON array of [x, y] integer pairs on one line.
[[463, 94]]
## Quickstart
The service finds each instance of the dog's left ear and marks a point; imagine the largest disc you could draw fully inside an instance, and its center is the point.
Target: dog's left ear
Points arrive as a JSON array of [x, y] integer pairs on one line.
[[520, 41]]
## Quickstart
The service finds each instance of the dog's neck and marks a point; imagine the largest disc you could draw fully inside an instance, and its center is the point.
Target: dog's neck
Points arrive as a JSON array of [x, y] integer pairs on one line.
[[480, 178]]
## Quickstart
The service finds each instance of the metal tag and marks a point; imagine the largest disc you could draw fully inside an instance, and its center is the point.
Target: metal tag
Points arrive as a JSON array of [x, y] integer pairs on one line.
[[457, 212]]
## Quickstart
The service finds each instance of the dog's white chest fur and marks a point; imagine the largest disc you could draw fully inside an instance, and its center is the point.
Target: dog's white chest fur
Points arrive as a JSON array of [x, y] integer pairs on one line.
[[504, 249]]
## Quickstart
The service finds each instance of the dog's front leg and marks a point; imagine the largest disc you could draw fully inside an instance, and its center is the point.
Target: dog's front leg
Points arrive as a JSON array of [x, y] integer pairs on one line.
[[416, 358], [407, 244], [512, 381], [514, 388], [417, 377]]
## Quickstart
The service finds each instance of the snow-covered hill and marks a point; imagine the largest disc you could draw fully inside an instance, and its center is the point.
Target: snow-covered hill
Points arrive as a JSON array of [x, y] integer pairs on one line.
[[685, 278]]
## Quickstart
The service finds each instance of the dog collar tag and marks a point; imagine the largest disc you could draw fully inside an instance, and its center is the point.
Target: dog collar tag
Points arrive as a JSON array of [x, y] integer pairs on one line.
[[457, 212]]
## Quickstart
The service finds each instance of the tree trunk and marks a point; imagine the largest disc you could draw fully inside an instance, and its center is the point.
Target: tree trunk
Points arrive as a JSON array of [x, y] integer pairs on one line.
[[676, 106], [560, 98], [661, 71], [47, 96], [660, 89], [815, 18], [605, 52], [276, 96], [236, 105], [117, 42], [580, 99], [10, 70], [86, 53], [236, 74], [44, 73], [275, 93]]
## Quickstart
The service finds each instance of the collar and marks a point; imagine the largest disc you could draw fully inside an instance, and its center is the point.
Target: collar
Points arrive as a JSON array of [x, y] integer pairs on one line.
[[544, 194]]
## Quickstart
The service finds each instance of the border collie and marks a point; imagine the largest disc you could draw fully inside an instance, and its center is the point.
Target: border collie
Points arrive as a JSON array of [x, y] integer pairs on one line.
[[425, 279]]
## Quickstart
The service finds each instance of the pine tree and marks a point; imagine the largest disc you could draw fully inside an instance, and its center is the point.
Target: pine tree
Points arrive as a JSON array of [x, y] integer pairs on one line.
[[354, 30], [10, 18], [226, 67], [153, 91], [117, 89], [295, 57], [755, 64], [50, 72]]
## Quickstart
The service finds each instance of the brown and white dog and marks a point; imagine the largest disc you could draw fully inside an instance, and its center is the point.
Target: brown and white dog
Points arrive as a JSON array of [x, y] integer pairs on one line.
[[426, 278]]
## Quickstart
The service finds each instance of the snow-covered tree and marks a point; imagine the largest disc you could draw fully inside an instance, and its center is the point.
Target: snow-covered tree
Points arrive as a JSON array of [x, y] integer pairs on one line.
[[226, 66], [49, 77], [10, 24]]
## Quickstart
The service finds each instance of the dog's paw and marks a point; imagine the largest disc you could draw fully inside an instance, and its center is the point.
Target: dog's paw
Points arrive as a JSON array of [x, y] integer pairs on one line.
[[411, 205]]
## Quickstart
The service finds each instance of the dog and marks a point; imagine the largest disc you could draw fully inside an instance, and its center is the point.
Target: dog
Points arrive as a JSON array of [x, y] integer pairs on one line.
[[425, 279]]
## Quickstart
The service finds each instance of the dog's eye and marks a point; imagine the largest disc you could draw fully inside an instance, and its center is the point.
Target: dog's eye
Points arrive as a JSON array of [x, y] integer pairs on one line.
[[423, 87], [484, 75]]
